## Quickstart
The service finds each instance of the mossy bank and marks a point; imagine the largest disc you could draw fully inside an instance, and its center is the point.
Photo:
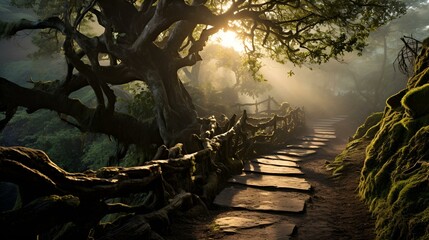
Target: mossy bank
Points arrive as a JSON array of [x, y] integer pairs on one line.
[[395, 177]]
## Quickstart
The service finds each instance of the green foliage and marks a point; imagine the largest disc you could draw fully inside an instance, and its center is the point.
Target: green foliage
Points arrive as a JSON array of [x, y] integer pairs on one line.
[[43, 130], [339, 35], [142, 106], [308, 32], [64, 144], [97, 151], [48, 42], [311, 32]]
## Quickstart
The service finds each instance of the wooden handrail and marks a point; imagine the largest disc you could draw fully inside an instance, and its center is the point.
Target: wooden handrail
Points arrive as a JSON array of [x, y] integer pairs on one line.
[[270, 101]]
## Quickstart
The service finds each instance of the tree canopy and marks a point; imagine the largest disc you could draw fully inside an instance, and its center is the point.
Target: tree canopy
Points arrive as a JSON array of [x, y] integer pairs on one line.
[[151, 40]]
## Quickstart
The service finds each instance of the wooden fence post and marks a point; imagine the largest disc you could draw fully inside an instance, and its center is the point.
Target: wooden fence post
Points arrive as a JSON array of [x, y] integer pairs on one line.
[[256, 107]]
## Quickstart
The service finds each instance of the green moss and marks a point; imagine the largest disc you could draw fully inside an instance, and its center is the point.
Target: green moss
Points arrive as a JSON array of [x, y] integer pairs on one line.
[[413, 125], [387, 140], [420, 224], [371, 123], [399, 217], [421, 65], [394, 101], [395, 178], [394, 191], [340, 162], [366, 130], [338, 170], [415, 101]]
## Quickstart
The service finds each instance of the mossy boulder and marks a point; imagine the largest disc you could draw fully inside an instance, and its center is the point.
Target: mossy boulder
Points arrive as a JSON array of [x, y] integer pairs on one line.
[[398, 191], [395, 100], [370, 127], [395, 179], [395, 176], [416, 102]]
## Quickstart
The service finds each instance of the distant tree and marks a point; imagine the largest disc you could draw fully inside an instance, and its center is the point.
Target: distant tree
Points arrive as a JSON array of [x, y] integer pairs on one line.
[[384, 44], [222, 77], [151, 40]]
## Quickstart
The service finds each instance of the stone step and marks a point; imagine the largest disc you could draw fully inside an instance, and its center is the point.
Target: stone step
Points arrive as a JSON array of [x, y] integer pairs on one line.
[[303, 146], [329, 120], [339, 118], [296, 152], [235, 224], [269, 169], [253, 225], [322, 131], [274, 162], [323, 125], [262, 200], [282, 157], [330, 129], [314, 139], [326, 136], [270, 181], [313, 143]]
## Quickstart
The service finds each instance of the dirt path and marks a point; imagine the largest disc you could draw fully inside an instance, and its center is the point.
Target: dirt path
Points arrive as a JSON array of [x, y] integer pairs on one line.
[[334, 211]]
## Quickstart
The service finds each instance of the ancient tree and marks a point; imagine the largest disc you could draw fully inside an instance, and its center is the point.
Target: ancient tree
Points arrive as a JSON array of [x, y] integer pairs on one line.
[[151, 40]]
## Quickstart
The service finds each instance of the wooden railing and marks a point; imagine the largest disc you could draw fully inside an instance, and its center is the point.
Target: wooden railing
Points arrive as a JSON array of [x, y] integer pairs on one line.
[[270, 104], [58, 204]]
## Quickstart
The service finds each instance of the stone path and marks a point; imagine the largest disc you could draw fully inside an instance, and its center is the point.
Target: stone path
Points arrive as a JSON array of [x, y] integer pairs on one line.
[[272, 183]]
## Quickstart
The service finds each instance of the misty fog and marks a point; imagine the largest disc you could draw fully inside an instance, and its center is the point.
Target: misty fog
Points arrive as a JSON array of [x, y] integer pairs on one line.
[[345, 85]]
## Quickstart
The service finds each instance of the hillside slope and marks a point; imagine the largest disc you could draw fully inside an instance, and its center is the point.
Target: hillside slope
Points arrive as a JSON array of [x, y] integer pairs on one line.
[[395, 176]]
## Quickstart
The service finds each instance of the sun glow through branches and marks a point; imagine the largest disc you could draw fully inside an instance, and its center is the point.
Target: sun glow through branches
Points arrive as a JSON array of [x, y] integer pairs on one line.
[[228, 39]]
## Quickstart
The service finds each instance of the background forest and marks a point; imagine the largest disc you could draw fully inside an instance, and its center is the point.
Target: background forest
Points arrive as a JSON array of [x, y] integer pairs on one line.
[[360, 83], [124, 79]]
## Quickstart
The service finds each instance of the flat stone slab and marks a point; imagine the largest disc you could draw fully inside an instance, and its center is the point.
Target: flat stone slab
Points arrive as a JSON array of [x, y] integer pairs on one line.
[[274, 162], [282, 157], [234, 224], [339, 119], [325, 136], [270, 181], [329, 120], [303, 146], [261, 200], [296, 152], [269, 169], [324, 132], [323, 128], [324, 124], [313, 143], [253, 225], [314, 139]]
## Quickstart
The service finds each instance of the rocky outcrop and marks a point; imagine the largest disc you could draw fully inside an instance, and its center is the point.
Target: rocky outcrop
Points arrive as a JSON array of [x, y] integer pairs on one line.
[[395, 176]]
